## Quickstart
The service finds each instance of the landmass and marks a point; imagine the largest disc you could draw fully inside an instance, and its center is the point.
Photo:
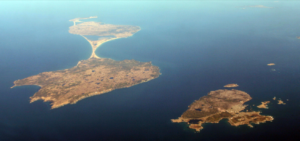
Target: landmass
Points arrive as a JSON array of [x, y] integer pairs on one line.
[[90, 77], [260, 6], [93, 76], [264, 105], [281, 102], [78, 19], [271, 64], [298, 37], [218, 105], [231, 85], [255, 6], [102, 33]]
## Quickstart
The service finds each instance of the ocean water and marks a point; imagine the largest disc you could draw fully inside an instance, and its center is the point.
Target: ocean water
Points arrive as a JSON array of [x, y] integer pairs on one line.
[[199, 47]]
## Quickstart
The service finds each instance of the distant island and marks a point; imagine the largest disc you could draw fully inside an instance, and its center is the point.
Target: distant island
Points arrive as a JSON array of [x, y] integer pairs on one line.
[[281, 102], [260, 6], [298, 37], [255, 6], [218, 105], [271, 64], [264, 105], [93, 76], [231, 85]]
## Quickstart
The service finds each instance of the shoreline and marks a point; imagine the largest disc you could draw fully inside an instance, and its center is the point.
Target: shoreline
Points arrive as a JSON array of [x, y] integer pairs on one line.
[[100, 42], [24, 85], [53, 106], [45, 99]]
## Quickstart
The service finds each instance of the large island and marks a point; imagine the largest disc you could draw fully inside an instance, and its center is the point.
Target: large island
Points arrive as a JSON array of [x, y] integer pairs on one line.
[[218, 105], [95, 75]]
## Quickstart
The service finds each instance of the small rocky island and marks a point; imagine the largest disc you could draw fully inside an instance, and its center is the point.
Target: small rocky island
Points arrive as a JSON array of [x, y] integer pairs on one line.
[[271, 64], [218, 105], [281, 102], [95, 75], [231, 85], [264, 105]]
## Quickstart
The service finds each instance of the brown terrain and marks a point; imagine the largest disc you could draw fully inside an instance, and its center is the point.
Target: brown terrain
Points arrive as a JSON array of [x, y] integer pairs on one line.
[[264, 105], [231, 85], [298, 37], [93, 76], [218, 105], [90, 77]]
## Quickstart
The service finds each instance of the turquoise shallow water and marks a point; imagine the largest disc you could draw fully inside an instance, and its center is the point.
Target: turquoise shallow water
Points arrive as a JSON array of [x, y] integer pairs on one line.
[[199, 47]]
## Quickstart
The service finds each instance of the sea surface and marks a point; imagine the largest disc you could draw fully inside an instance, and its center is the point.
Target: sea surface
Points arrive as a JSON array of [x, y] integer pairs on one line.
[[199, 46]]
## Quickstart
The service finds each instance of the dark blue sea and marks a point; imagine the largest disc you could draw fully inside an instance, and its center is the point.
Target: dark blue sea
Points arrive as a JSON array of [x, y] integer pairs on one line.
[[199, 46]]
